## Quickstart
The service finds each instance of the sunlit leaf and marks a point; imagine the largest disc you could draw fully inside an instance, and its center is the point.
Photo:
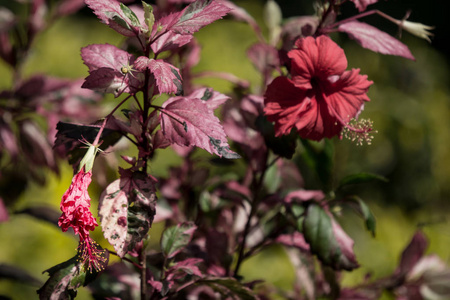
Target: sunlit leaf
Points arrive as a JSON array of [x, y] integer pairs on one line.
[[127, 209], [374, 39]]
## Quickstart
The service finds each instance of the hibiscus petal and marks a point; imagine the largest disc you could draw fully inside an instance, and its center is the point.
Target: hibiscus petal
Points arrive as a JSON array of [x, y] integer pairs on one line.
[[350, 94], [283, 103], [316, 57]]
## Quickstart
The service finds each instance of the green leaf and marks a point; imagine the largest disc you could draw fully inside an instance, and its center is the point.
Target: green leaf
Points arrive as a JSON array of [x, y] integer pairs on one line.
[[130, 15], [148, 16], [327, 240], [360, 178], [226, 285], [284, 145], [175, 238], [298, 212], [362, 208]]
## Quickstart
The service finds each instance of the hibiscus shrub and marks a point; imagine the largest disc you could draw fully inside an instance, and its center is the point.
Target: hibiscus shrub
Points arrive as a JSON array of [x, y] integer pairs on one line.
[[221, 208]]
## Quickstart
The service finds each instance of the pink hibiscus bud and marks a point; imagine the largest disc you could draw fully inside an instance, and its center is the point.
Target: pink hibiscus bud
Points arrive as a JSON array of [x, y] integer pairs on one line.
[[75, 205], [321, 97]]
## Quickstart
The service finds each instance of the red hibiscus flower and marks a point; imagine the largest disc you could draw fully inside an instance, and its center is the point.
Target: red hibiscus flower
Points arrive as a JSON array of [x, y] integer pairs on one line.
[[75, 206], [320, 98]]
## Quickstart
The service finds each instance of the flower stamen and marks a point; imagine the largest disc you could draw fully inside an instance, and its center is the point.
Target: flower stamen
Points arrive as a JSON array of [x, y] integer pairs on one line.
[[359, 131]]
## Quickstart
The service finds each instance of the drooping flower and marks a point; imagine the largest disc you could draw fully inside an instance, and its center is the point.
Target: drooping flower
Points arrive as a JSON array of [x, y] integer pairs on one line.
[[321, 97], [75, 205]]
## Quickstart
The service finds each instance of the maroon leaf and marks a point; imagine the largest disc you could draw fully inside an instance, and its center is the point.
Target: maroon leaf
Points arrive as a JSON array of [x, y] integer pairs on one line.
[[374, 39], [413, 253], [69, 136], [126, 210], [111, 13], [189, 121], [110, 70], [361, 5], [167, 77], [211, 98]]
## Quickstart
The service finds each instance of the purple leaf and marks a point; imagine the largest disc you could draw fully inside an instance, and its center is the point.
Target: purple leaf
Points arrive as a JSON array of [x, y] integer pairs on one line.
[[67, 7], [167, 77], [361, 5], [198, 14], [189, 121], [175, 30], [175, 238], [126, 210], [264, 57], [413, 253], [298, 27], [211, 98], [8, 140], [303, 195], [44, 213], [241, 14], [35, 146], [12, 272], [374, 39], [182, 268], [110, 70], [3, 212], [169, 41], [114, 14], [295, 239], [98, 56]]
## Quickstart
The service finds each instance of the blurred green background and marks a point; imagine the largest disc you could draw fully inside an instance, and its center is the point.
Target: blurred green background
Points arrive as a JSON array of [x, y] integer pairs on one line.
[[410, 108]]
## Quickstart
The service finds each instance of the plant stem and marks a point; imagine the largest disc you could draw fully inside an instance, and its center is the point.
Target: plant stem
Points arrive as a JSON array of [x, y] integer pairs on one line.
[[125, 259], [253, 210], [142, 258]]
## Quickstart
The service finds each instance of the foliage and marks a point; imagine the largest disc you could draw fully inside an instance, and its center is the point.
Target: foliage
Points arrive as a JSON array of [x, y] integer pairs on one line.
[[214, 221]]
